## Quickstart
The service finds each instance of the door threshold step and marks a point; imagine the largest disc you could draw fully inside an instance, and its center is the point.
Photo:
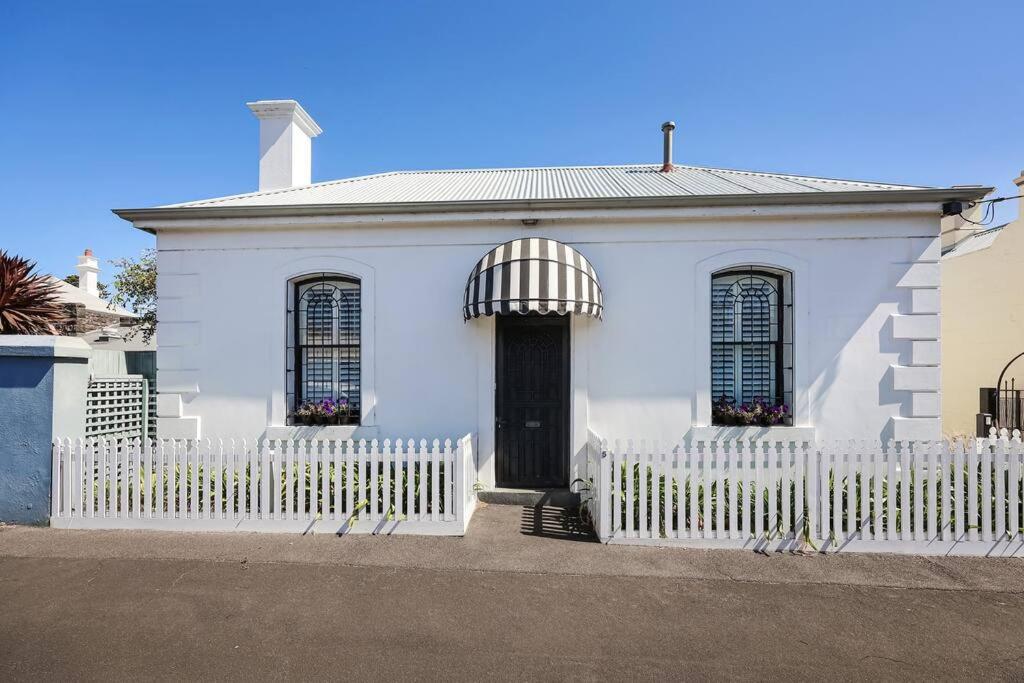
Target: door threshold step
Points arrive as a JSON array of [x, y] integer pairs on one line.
[[561, 498]]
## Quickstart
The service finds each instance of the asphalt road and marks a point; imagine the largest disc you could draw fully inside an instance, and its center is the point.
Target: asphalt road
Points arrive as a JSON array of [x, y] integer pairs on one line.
[[88, 605]]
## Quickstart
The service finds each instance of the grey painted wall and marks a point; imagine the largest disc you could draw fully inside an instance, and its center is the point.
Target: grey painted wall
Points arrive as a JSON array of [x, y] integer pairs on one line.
[[43, 381]]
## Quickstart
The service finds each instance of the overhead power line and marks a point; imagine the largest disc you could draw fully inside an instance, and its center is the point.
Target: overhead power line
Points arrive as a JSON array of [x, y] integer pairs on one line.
[[997, 199], [990, 209]]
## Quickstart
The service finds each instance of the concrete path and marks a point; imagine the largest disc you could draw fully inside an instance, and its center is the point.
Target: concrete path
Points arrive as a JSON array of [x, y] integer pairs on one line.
[[524, 595]]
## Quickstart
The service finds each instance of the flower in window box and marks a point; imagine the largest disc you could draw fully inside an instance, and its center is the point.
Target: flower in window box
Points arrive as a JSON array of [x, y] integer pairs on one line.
[[325, 412], [337, 412], [757, 412]]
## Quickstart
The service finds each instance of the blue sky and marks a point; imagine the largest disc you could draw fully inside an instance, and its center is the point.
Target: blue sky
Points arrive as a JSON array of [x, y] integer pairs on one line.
[[110, 105]]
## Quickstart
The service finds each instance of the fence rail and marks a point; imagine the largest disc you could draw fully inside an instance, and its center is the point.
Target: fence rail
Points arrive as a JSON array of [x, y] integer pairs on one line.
[[388, 487], [924, 497]]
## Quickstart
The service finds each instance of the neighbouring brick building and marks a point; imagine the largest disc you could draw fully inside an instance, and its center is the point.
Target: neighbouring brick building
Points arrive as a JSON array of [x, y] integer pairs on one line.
[[86, 309]]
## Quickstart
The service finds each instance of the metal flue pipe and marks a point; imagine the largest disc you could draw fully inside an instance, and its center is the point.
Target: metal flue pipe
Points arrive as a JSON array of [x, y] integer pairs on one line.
[[666, 129]]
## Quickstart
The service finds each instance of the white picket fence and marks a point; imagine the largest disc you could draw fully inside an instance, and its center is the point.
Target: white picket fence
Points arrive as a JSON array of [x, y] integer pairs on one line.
[[389, 487], [961, 498]]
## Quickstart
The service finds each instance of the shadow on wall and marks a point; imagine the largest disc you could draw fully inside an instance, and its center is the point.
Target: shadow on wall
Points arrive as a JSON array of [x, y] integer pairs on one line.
[[27, 374], [359, 433], [846, 328], [886, 391], [887, 394], [828, 384]]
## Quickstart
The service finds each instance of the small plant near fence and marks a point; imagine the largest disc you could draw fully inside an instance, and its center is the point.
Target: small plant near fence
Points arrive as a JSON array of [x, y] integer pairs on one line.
[[186, 494], [855, 497], [929, 496], [263, 484]]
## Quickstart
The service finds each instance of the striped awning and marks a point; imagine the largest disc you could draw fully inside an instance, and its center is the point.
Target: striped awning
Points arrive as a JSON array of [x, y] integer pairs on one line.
[[533, 274]]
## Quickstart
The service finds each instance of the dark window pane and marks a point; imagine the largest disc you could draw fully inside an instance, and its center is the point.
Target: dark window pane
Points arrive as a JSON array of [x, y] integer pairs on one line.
[[327, 348], [747, 336]]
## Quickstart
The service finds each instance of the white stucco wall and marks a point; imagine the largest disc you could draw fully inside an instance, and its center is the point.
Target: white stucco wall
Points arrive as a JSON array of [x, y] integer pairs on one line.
[[642, 372]]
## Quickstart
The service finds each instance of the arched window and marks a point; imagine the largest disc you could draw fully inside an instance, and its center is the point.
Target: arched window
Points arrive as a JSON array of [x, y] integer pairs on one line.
[[325, 346], [751, 342]]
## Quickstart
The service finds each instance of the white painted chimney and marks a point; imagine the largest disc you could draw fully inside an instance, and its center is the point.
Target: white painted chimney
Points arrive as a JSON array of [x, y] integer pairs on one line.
[[286, 143], [88, 273]]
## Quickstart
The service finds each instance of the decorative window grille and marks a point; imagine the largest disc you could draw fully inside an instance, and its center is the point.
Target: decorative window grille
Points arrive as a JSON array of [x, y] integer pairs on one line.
[[324, 341], [751, 336]]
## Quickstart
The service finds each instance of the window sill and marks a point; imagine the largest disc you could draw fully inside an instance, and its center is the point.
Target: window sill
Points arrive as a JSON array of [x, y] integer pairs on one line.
[[321, 432], [754, 433]]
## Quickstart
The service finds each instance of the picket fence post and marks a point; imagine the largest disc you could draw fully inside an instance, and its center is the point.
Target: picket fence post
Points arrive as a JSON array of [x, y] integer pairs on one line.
[[606, 469], [1013, 451]]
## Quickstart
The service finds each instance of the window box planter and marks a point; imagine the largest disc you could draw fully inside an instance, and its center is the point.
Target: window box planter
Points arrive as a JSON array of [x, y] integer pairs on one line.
[[334, 420], [774, 434], [756, 413], [324, 413], [321, 432]]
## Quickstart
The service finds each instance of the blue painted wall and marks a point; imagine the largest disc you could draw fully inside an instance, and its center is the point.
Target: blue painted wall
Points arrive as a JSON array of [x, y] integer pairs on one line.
[[43, 381], [26, 427]]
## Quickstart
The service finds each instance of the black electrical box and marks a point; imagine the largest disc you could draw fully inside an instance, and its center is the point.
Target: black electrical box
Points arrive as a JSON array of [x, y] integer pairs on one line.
[[953, 208], [983, 423]]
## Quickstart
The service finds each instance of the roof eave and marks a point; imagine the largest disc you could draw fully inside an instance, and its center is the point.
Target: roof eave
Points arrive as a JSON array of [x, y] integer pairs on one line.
[[937, 195]]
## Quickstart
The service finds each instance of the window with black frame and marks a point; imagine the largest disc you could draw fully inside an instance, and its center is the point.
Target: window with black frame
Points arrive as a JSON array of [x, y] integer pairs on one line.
[[325, 350], [751, 346]]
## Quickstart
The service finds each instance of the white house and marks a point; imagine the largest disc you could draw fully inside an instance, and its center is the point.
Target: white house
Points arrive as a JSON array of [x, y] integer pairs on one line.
[[530, 305]]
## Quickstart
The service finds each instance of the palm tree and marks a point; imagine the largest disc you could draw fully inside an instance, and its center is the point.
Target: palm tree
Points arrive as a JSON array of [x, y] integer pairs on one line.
[[28, 301]]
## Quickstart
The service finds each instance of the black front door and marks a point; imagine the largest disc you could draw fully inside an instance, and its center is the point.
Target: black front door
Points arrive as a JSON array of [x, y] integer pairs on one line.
[[532, 402]]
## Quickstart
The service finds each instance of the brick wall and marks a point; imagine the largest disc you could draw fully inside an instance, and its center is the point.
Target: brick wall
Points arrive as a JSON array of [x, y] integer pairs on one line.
[[82, 320]]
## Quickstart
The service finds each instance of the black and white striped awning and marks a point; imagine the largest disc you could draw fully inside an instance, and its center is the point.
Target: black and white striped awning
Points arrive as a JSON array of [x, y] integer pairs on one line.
[[533, 274]]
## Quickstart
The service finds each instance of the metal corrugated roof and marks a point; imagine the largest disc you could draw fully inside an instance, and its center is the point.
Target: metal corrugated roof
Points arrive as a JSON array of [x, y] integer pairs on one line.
[[537, 184], [983, 239]]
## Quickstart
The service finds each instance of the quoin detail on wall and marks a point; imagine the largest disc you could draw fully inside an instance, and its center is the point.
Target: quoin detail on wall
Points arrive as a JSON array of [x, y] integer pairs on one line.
[[919, 326]]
